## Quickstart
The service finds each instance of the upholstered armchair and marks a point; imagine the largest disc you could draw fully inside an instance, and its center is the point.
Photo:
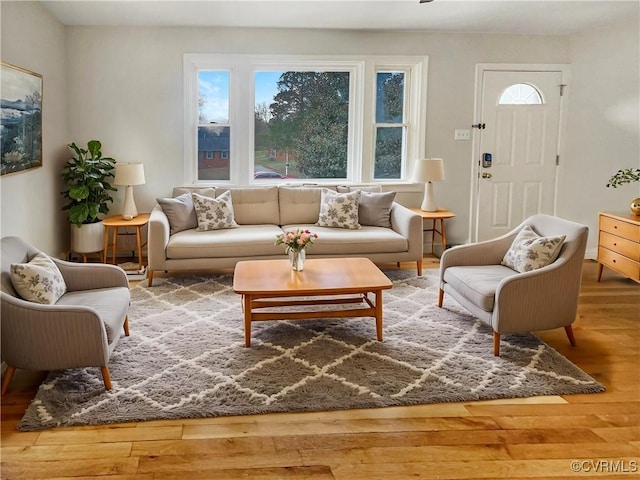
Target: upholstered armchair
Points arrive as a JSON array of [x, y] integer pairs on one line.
[[511, 301], [81, 329]]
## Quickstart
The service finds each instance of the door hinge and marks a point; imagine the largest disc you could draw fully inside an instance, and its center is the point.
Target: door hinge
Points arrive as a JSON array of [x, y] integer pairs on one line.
[[557, 160], [480, 126], [562, 87]]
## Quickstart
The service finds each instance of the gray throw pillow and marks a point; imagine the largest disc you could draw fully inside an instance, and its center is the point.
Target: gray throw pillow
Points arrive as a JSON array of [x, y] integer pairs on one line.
[[180, 212], [374, 209]]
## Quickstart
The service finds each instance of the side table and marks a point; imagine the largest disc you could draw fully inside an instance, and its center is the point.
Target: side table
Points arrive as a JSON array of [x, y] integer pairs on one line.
[[116, 222], [440, 215]]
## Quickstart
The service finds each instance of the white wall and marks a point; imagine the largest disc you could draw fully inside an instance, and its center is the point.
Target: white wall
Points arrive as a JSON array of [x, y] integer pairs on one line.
[[31, 202], [125, 88], [603, 124]]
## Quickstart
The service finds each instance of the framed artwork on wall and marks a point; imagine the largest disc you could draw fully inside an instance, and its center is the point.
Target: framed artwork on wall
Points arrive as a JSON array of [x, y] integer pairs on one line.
[[20, 119]]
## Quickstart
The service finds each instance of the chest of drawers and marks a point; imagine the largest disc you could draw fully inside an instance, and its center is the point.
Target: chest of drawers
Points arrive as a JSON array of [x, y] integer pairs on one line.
[[619, 244]]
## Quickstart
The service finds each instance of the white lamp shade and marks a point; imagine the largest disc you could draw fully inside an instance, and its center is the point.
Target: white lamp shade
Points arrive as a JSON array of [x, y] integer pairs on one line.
[[429, 170], [129, 174]]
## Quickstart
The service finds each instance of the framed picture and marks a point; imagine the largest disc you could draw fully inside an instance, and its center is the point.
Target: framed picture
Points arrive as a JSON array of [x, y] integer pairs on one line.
[[20, 119]]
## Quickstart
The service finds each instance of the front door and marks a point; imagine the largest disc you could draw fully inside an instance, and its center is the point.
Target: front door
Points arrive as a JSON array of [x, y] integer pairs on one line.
[[519, 130]]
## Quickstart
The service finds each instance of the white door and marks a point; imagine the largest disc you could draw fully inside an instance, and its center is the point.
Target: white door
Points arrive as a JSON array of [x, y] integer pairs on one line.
[[519, 128]]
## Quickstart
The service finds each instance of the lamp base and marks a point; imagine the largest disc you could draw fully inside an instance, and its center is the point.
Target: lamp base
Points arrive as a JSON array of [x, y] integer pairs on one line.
[[129, 210], [429, 200]]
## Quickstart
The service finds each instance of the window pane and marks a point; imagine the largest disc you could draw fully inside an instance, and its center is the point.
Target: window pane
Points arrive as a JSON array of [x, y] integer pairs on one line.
[[520, 94], [389, 97], [213, 97], [301, 124], [213, 152], [389, 141]]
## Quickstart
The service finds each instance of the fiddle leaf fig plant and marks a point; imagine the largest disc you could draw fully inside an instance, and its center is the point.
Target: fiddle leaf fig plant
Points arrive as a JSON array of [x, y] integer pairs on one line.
[[87, 176], [624, 175]]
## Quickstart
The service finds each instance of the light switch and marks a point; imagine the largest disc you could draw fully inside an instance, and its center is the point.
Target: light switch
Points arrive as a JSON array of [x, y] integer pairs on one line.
[[463, 134]]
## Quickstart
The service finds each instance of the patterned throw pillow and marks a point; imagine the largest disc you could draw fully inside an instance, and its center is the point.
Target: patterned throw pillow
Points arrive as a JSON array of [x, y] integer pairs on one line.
[[529, 251], [339, 210], [214, 213], [39, 280]]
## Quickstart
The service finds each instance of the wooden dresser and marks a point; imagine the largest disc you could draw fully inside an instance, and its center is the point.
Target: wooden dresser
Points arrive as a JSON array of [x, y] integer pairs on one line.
[[619, 244]]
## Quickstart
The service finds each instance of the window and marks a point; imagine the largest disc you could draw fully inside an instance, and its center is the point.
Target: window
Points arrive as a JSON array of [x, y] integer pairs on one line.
[[301, 124], [267, 118], [390, 125], [213, 126], [520, 94]]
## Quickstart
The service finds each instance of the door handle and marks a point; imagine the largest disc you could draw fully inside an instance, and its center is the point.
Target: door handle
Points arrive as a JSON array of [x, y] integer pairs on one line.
[[486, 175]]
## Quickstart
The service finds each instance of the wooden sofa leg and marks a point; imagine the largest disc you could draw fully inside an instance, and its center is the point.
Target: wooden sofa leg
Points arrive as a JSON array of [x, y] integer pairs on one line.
[[8, 375], [496, 344], [106, 377], [440, 297], [126, 325], [419, 268], [572, 339], [150, 276]]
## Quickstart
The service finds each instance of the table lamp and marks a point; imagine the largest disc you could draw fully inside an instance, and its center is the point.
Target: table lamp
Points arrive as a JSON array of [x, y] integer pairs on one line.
[[129, 174], [429, 170]]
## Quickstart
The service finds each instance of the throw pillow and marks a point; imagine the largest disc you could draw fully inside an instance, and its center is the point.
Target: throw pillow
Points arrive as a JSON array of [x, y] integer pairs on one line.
[[374, 209], [214, 213], [339, 210], [529, 251], [39, 280], [180, 212]]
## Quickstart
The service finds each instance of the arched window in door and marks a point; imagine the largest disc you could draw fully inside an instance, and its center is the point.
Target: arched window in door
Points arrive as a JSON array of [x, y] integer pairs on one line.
[[520, 94]]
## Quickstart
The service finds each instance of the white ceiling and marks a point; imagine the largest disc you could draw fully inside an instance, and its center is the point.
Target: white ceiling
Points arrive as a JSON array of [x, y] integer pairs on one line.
[[547, 17]]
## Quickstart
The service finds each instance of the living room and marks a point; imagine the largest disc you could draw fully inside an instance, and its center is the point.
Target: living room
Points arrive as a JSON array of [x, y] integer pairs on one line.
[[123, 84]]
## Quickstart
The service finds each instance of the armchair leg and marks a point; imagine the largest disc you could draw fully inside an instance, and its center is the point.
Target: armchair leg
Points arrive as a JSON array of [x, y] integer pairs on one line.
[[8, 375], [106, 377], [126, 325], [572, 339], [440, 297], [150, 277], [419, 268], [496, 344]]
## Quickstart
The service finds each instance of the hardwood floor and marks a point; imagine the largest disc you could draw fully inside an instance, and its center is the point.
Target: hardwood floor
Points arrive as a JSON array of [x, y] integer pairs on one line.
[[568, 437]]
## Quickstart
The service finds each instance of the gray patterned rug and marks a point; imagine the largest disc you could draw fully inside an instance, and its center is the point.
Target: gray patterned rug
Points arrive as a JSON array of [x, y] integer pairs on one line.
[[186, 358]]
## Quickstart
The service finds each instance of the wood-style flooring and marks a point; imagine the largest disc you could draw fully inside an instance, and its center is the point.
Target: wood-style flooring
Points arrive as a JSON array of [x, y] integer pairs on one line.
[[568, 437]]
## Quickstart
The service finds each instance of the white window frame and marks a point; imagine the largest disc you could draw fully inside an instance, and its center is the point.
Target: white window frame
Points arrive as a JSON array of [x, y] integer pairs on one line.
[[361, 134]]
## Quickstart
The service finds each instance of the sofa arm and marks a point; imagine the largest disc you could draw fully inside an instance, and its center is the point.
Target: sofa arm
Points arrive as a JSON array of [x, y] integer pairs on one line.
[[408, 224], [538, 300], [88, 276], [51, 337], [157, 239]]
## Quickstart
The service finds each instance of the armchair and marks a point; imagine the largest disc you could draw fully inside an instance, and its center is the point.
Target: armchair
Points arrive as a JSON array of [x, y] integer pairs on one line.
[[80, 330], [513, 302]]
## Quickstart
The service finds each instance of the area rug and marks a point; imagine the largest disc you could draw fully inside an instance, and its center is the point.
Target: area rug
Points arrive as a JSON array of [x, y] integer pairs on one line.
[[186, 358]]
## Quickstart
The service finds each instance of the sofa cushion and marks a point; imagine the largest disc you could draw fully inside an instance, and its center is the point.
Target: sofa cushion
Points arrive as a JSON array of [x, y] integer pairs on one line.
[[362, 188], [529, 251], [299, 205], [375, 208], [340, 241], [214, 213], [180, 212], [478, 283], [38, 280], [339, 210], [111, 304], [255, 206], [204, 191], [244, 241]]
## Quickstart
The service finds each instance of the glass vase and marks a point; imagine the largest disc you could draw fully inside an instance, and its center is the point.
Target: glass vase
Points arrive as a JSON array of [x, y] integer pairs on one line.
[[296, 258]]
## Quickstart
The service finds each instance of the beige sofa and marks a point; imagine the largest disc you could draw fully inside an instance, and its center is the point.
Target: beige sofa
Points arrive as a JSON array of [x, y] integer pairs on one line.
[[264, 212]]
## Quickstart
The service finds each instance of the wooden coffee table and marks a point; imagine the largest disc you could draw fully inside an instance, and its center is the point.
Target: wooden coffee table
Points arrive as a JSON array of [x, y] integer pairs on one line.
[[272, 283]]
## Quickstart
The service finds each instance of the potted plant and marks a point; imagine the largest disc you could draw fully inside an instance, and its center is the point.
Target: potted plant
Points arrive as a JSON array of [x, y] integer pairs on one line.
[[87, 176], [627, 175]]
